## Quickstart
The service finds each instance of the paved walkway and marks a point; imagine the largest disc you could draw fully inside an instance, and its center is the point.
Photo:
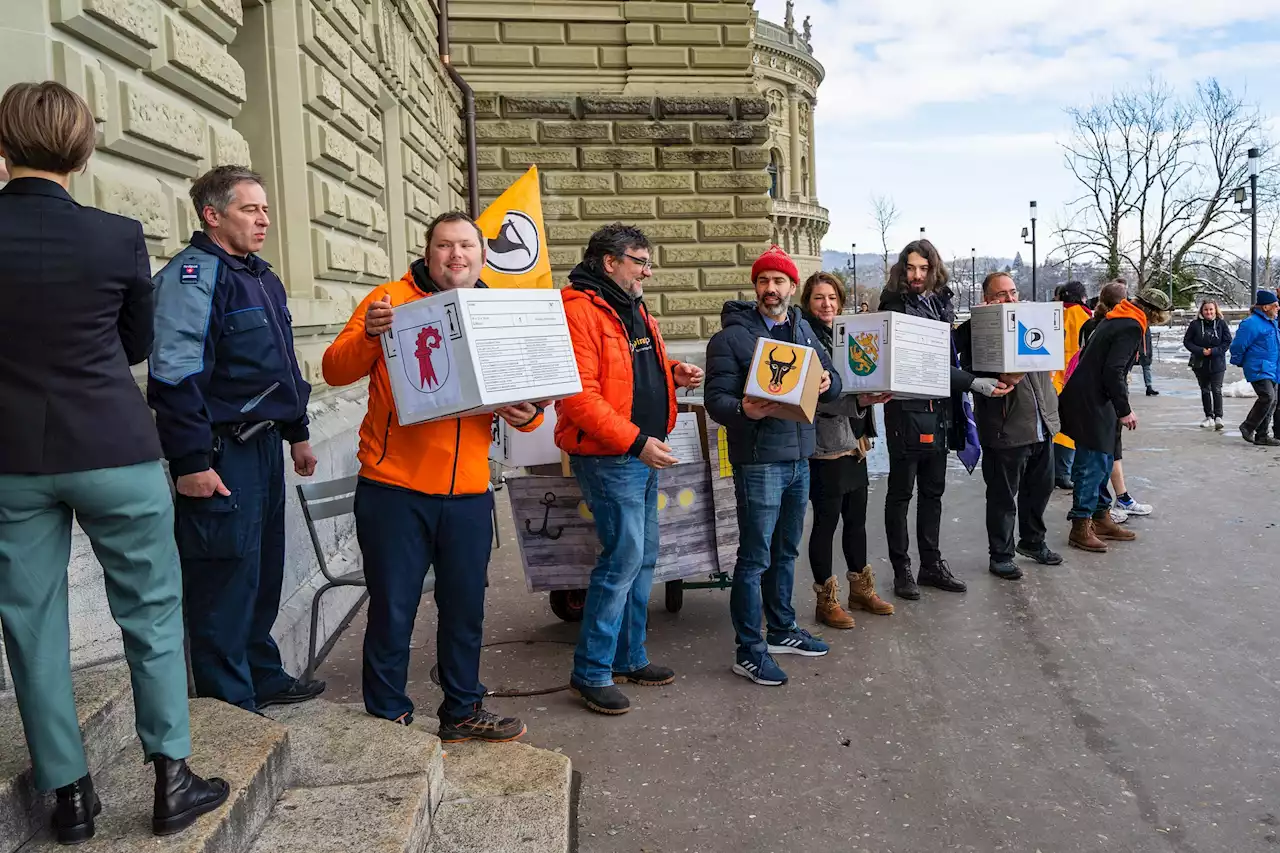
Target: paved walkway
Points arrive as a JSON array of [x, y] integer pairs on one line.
[[1118, 703]]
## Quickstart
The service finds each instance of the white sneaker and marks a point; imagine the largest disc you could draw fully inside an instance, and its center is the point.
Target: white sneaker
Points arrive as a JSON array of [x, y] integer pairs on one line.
[[1119, 516], [1218, 424], [1134, 508], [1207, 423]]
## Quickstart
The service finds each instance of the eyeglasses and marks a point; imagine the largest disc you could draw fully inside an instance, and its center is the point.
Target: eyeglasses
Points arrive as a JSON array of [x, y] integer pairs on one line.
[[645, 263]]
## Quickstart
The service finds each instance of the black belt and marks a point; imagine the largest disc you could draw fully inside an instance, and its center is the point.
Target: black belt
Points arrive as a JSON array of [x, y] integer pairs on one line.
[[243, 432]]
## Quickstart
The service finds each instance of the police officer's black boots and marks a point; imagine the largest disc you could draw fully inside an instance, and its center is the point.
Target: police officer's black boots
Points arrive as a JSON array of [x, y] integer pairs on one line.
[[182, 796], [77, 805]]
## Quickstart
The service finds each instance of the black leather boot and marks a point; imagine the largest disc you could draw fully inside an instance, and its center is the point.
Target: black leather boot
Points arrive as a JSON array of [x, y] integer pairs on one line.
[[77, 805], [904, 584], [182, 796]]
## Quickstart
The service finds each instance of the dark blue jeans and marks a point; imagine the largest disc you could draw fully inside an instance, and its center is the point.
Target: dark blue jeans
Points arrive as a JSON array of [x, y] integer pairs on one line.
[[1090, 472], [772, 498], [232, 550], [1064, 458], [402, 534], [622, 494]]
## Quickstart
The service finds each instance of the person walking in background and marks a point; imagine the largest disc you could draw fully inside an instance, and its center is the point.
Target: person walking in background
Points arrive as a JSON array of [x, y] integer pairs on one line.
[[838, 482], [921, 432], [227, 390], [1208, 337], [1145, 360], [770, 459], [615, 433], [76, 438], [1074, 315], [1095, 402], [1017, 451], [1256, 348]]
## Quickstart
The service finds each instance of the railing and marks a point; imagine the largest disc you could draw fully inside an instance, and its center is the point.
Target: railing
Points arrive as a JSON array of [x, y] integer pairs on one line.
[[780, 35], [800, 208]]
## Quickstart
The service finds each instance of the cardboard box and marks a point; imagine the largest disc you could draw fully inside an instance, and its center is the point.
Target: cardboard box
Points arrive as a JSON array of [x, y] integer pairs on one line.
[[512, 448], [788, 374], [1018, 337], [890, 352], [466, 352]]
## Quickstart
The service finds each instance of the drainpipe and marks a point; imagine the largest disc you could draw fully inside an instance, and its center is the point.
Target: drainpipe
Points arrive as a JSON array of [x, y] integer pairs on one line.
[[468, 110]]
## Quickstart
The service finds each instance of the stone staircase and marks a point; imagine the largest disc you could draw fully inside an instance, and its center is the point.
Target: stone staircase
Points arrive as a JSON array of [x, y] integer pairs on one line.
[[315, 778]]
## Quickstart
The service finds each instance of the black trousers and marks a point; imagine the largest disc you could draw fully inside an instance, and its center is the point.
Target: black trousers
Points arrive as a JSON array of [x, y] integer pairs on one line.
[[830, 507], [1211, 391], [929, 470], [1019, 484], [1264, 408]]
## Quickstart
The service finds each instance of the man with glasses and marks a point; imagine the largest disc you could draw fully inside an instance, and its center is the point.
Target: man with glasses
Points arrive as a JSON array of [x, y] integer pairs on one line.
[[615, 433]]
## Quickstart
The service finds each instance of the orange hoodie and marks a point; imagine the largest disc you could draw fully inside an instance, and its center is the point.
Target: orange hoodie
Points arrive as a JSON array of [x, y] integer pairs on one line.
[[445, 457], [1133, 312]]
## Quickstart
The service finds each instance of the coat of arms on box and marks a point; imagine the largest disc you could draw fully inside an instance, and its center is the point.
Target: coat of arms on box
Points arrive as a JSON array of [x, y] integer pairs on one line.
[[778, 372], [864, 353]]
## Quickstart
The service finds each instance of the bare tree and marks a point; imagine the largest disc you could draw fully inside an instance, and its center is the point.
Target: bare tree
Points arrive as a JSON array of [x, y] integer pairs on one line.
[[885, 213], [1158, 173]]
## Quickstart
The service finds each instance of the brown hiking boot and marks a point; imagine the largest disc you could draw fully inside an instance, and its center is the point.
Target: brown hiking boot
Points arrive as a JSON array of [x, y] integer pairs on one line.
[[1105, 528], [829, 612], [862, 593], [1082, 536]]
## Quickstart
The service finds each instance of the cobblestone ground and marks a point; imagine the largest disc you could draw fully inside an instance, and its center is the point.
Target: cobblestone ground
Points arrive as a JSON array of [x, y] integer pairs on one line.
[[1124, 702]]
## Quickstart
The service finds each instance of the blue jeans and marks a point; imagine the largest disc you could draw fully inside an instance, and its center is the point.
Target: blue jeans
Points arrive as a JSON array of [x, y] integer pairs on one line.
[[1090, 473], [772, 498], [402, 534], [1147, 378], [1063, 460], [622, 494]]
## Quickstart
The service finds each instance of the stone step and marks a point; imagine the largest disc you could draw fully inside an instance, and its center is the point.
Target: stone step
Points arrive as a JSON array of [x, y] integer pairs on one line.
[[104, 704], [250, 752], [503, 798], [358, 784]]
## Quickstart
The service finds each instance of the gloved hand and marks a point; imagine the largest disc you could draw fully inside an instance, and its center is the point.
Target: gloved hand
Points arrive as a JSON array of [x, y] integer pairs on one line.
[[984, 385]]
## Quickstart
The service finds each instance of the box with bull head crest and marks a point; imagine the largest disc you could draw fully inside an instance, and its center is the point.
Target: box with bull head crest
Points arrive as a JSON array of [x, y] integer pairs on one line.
[[895, 353], [787, 374], [470, 351]]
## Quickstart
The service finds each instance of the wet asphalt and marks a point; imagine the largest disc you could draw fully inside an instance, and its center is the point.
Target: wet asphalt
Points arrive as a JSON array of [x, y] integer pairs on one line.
[[1118, 702]]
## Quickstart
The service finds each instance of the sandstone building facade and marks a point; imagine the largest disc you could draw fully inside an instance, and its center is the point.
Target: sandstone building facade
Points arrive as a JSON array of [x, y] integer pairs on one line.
[[644, 110]]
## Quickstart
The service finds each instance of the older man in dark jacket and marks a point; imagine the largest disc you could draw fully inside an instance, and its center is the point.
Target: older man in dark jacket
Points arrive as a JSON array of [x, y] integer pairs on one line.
[[770, 459], [1016, 433]]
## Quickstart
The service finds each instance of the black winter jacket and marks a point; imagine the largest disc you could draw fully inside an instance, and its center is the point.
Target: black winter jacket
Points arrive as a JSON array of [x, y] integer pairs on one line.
[[1097, 394], [729, 354], [1214, 336], [943, 419]]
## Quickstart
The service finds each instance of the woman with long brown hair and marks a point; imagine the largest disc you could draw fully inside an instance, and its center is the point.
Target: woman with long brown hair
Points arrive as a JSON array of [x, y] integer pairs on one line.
[[838, 482]]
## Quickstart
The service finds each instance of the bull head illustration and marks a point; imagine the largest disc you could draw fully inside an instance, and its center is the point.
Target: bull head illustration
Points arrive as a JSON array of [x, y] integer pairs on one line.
[[779, 369]]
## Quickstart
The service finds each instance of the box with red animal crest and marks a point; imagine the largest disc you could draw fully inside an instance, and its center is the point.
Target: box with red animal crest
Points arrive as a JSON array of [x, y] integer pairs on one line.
[[473, 350]]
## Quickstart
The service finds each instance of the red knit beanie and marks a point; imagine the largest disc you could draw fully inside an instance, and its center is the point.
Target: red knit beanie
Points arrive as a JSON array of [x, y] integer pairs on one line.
[[775, 260]]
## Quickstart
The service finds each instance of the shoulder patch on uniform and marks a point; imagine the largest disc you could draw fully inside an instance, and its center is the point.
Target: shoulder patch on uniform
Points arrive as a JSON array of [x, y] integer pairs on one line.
[[184, 301]]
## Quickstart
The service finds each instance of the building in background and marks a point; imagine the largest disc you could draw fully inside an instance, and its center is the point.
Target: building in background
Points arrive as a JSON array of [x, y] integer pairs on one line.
[[788, 75]]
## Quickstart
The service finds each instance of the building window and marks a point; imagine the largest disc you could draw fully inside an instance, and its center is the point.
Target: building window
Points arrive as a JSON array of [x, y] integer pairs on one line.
[[775, 173], [804, 177]]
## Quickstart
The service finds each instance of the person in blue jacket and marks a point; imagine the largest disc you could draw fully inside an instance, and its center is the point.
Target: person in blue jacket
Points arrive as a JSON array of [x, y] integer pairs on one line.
[[226, 389], [770, 459], [1256, 348]]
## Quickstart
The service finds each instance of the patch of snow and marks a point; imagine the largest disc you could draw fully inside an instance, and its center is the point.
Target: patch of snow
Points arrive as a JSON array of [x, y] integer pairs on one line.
[[1239, 389]]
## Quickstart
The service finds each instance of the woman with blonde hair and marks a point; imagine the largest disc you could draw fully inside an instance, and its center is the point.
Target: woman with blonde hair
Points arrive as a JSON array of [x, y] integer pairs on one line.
[[1208, 338]]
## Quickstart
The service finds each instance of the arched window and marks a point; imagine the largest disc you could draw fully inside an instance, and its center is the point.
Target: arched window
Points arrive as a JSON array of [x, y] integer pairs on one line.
[[804, 177], [775, 175]]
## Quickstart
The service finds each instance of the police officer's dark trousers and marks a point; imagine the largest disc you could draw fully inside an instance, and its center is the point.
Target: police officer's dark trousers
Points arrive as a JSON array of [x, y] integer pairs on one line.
[[232, 549], [402, 534]]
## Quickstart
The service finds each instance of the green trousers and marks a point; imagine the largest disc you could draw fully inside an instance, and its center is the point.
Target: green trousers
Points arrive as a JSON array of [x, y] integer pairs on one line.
[[128, 515]]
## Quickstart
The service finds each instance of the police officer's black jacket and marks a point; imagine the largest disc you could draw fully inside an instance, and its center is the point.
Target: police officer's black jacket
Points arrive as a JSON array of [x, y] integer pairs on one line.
[[75, 312], [729, 354], [223, 353]]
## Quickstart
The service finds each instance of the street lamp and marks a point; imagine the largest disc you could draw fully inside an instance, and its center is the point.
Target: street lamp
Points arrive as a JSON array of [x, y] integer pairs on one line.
[[1254, 156], [854, 260], [1032, 244], [973, 275], [922, 234]]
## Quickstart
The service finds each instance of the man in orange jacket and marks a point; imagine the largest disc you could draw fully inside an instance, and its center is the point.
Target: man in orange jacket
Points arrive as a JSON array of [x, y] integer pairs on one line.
[[423, 499], [615, 433]]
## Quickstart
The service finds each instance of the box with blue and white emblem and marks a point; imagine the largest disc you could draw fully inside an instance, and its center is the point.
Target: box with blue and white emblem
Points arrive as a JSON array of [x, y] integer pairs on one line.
[[1018, 337]]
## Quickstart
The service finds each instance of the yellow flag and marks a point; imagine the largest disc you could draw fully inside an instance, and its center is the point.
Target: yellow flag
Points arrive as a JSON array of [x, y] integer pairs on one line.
[[516, 237]]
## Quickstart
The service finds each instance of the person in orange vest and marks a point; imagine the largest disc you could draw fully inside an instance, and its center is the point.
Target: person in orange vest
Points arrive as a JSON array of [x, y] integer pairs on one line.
[[423, 500]]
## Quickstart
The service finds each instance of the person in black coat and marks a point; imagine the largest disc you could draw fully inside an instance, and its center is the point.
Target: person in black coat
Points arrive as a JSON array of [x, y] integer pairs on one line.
[[919, 432], [1208, 338], [76, 438], [1093, 400]]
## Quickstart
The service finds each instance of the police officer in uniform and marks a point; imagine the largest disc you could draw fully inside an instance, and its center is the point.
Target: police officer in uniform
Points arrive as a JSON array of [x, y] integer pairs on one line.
[[226, 389]]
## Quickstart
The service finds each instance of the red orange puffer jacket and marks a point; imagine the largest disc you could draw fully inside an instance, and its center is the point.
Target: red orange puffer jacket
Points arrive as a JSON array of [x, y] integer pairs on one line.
[[597, 421]]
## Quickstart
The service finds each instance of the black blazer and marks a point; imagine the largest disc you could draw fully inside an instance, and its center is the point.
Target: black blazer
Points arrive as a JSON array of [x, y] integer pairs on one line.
[[75, 311]]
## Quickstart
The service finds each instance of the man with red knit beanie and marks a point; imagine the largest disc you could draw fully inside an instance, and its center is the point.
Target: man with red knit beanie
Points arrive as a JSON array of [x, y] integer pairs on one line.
[[770, 459]]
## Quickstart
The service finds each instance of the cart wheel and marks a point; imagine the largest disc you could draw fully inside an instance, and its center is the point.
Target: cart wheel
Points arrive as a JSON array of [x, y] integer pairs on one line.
[[568, 604], [675, 596]]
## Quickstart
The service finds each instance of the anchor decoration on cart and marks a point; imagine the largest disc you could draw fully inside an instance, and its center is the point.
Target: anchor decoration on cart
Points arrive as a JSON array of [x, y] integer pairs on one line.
[[548, 501]]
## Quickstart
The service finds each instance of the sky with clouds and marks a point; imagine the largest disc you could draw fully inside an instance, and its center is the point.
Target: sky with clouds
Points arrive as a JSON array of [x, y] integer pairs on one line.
[[957, 109]]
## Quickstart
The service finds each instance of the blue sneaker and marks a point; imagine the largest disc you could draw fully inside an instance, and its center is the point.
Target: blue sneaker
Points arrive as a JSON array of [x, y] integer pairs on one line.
[[761, 671], [797, 641]]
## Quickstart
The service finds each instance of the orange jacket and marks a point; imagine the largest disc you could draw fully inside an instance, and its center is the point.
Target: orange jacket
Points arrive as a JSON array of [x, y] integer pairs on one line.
[[445, 457], [597, 421]]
